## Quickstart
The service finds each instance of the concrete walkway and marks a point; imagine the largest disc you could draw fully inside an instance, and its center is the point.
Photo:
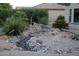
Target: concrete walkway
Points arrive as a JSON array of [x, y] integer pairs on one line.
[[74, 28]]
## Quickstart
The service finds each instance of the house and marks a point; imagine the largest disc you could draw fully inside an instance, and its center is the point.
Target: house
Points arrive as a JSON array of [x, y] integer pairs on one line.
[[54, 10], [69, 10]]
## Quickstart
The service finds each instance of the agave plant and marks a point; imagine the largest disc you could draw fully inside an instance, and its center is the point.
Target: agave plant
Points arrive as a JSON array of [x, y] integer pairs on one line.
[[15, 26]]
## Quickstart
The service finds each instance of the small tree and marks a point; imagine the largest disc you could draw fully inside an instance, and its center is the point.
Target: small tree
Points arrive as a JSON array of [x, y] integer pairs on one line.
[[60, 23]]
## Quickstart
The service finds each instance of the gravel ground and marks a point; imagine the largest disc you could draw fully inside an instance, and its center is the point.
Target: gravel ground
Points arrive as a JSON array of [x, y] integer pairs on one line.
[[59, 43]]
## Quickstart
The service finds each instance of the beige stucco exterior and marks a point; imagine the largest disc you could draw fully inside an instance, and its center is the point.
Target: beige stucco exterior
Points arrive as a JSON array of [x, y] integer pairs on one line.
[[53, 15]]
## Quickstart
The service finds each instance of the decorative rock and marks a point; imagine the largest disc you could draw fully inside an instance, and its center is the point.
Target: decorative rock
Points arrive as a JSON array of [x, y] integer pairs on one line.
[[33, 39], [75, 36], [31, 45], [26, 33], [58, 51], [46, 28], [76, 48], [35, 28], [53, 34], [13, 40], [69, 51], [56, 29], [35, 34], [39, 41], [63, 51]]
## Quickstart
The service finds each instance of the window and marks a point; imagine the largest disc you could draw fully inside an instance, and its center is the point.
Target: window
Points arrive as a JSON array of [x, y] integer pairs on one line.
[[70, 13]]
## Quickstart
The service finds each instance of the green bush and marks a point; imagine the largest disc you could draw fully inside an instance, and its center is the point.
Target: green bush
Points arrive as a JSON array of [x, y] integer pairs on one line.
[[5, 6], [44, 20], [5, 12], [15, 26], [18, 13], [34, 14], [60, 23], [1, 23]]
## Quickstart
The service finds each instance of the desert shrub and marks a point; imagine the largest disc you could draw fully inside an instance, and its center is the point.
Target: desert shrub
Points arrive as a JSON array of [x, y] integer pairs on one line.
[[60, 23], [44, 20], [14, 26]]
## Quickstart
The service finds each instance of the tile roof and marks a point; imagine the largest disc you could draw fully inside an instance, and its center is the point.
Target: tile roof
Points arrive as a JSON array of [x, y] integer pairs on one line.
[[50, 6]]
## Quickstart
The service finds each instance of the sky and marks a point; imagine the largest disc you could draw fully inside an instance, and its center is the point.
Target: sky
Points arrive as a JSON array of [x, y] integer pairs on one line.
[[30, 3], [26, 3]]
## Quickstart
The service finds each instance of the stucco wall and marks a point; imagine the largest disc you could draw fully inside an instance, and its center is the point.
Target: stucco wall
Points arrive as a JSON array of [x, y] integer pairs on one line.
[[67, 14], [53, 15]]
